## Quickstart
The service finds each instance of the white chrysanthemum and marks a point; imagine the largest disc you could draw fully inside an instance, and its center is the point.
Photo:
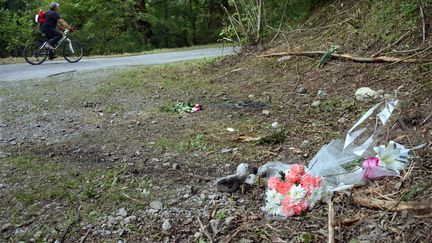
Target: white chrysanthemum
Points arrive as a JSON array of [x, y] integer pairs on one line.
[[272, 196], [273, 202], [297, 193], [272, 209], [390, 157]]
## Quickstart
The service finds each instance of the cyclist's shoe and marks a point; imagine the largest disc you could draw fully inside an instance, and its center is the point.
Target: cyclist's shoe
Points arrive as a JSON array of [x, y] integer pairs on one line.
[[49, 47], [52, 57]]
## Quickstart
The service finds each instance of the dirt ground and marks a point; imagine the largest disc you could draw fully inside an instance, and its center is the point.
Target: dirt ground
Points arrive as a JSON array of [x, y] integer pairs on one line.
[[92, 157]]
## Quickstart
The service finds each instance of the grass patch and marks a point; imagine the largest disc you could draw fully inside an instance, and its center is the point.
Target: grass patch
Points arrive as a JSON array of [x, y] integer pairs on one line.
[[38, 182], [387, 20]]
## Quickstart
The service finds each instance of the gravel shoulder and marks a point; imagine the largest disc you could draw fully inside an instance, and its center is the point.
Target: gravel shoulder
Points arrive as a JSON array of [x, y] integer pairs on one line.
[[97, 145]]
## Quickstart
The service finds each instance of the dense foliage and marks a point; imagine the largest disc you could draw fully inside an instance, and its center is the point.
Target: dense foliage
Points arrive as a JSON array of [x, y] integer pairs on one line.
[[115, 26]]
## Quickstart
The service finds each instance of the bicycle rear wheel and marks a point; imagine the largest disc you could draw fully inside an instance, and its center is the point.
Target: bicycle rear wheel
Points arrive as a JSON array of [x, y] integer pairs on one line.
[[73, 51], [34, 54]]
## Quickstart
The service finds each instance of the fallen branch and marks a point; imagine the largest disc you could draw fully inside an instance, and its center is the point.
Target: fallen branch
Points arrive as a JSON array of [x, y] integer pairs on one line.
[[373, 203], [348, 57]]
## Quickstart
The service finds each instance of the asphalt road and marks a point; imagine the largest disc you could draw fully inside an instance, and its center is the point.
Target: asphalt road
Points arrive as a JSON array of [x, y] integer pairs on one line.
[[14, 72]]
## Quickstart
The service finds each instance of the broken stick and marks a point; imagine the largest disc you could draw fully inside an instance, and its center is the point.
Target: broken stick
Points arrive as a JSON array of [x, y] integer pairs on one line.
[[331, 224], [424, 206]]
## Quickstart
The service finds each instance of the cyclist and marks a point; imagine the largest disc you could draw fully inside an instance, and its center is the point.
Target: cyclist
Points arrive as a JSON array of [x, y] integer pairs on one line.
[[49, 27]]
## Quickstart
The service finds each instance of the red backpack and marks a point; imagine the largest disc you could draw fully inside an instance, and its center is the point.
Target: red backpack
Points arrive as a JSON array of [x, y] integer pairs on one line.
[[40, 17]]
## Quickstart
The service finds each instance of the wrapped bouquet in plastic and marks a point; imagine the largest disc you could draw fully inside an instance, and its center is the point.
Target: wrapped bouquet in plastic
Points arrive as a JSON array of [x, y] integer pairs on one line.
[[295, 189]]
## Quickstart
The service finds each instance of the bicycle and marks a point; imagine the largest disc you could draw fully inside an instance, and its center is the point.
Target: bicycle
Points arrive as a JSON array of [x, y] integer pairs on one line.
[[35, 53]]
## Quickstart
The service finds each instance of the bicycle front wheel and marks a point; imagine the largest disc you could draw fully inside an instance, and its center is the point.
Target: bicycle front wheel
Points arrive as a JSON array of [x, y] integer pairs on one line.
[[73, 51], [34, 54]]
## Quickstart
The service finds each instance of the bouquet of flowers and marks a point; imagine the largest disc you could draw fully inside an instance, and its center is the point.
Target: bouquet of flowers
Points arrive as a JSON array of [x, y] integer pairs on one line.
[[293, 192]]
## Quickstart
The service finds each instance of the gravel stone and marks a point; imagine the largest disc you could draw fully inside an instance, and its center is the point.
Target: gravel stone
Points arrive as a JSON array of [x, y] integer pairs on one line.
[[156, 205], [166, 226]]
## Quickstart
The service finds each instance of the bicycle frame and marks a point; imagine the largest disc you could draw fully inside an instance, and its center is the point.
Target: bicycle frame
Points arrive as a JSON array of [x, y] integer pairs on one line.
[[64, 38]]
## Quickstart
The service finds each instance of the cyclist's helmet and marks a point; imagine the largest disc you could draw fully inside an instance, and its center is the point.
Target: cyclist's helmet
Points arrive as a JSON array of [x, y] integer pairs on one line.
[[54, 5]]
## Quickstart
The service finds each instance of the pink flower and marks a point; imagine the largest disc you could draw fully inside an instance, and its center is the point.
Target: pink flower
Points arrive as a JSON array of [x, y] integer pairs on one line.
[[292, 178], [300, 207], [287, 207], [290, 208], [297, 169], [283, 187], [309, 182], [370, 165], [273, 182]]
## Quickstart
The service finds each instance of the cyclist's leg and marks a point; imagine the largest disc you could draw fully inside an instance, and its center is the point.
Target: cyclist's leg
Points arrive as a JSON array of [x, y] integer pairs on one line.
[[53, 37]]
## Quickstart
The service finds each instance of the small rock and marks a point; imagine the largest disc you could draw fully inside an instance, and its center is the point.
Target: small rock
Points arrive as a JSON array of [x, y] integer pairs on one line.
[[275, 125], [213, 196], [156, 205], [230, 129], [366, 94], [251, 96], [166, 226], [266, 112], [316, 103], [2, 186], [166, 164], [175, 166], [122, 212], [284, 58], [152, 211], [7, 227], [111, 220]]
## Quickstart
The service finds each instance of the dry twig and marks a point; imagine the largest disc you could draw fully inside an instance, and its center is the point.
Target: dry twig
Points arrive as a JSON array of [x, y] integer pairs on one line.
[[133, 199], [205, 232], [422, 15], [83, 239], [331, 223], [238, 231]]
